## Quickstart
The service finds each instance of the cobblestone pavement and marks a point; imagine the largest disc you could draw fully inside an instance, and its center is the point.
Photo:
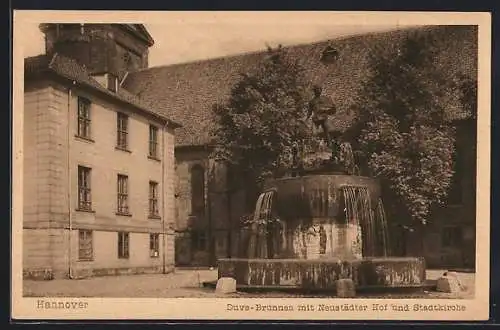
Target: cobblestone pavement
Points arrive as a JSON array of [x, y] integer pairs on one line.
[[188, 283]]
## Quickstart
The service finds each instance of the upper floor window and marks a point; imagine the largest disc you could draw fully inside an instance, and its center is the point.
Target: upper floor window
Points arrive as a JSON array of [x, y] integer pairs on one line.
[[112, 83], [153, 199], [329, 55], [197, 190], [122, 193], [84, 197], [122, 131], [83, 118], [153, 141]]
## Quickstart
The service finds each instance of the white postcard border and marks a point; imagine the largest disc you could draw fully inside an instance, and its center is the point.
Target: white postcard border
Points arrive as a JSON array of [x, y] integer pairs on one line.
[[218, 309]]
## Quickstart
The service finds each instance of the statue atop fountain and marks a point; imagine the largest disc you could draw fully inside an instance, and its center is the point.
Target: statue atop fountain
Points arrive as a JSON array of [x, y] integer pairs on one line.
[[320, 108], [341, 157]]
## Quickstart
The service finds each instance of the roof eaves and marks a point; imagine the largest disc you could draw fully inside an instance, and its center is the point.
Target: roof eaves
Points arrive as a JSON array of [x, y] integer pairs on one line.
[[51, 67], [140, 31]]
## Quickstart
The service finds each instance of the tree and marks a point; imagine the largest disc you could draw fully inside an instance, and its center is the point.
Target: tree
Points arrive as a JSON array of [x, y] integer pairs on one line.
[[257, 129], [403, 126], [263, 118]]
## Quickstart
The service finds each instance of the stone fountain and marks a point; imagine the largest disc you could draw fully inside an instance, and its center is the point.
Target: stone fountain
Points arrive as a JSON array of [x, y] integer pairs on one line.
[[319, 226]]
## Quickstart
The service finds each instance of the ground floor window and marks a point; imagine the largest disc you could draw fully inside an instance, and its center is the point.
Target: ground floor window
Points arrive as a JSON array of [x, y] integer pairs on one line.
[[199, 240], [85, 246], [452, 237], [123, 245], [221, 243], [154, 245]]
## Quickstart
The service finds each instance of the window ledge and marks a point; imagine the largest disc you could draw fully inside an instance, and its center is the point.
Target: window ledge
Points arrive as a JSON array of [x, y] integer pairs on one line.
[[154, 217], [123, 149], [455, 205], [123, 214], [85, 210], [154, 158], [84, 139], [85, 260]]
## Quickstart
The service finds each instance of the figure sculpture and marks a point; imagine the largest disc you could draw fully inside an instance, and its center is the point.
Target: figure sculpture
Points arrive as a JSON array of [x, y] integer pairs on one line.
[[320, 107]]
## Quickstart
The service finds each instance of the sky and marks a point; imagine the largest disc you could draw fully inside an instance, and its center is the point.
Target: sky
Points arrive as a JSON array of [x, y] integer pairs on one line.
[[181, 41]]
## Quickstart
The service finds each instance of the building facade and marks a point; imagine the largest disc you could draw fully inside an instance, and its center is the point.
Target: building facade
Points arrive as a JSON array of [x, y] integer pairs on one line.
[[98, 163], [449, 239]]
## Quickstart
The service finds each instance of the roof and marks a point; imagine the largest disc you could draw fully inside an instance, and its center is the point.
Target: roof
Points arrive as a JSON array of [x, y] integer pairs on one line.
[[140, 31], [70, 69], [188, 91]]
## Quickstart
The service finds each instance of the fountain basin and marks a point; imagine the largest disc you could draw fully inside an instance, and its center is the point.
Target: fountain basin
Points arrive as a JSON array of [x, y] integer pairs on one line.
[[321, 274], [320, 216]]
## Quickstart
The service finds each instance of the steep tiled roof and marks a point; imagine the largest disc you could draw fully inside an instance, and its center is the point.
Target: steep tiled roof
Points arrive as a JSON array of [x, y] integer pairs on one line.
[[72, 70], [188, 91]]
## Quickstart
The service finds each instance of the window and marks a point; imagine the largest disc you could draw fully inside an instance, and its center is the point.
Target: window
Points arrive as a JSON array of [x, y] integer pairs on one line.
[[112, 83], [153, 141], [126, 57], [84, 200], [221, 243], [123, 245], [153, 199], [83, 118], [452, 237], [455, 195], [122, 192], [122, 131], [85, 250], [197, 190], [154, 245], [199, 240], [322, 240], [329, 55]]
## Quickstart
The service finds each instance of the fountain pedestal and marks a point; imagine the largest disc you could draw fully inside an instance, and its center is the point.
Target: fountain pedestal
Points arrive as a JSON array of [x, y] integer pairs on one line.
[[321, 274]]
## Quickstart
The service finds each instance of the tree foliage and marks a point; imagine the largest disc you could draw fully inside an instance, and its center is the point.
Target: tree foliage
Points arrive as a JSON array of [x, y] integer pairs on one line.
[[263, 117], [405, 132]]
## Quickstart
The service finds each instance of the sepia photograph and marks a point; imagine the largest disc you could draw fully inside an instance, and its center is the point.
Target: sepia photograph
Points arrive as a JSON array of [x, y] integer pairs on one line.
[[251, 165]]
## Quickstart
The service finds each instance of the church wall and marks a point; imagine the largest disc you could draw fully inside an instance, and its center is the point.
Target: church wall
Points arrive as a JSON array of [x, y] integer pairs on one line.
[[201, 238], [448, 240]]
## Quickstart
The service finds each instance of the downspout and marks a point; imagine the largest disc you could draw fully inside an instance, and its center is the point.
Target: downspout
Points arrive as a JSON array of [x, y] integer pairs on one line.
[[208, 208], [163, 194], [68, 164], [229, 215], [211, 242]]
